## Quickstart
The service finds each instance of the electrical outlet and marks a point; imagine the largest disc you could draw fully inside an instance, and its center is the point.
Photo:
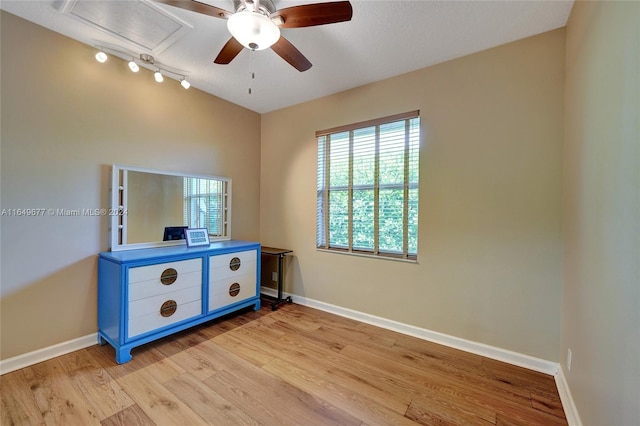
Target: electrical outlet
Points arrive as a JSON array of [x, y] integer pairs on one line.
[[569, 359], [274, 276]]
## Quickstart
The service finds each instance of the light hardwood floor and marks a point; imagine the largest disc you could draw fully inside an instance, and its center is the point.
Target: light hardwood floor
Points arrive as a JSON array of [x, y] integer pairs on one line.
[[294, 366]]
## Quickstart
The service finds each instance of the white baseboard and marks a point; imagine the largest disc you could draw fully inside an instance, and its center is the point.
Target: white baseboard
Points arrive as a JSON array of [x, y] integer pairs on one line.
[[569, 406], [25, 360]]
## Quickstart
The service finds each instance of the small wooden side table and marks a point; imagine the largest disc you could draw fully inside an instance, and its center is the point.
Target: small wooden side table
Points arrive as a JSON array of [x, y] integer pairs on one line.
[[281, 253]]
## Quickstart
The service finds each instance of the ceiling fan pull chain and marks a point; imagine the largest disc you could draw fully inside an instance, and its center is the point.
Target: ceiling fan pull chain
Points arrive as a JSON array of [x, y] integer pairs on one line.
[[251, 74]]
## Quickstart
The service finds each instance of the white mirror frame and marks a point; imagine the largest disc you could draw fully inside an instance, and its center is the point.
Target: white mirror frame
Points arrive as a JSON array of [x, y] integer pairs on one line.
[[119, 221]]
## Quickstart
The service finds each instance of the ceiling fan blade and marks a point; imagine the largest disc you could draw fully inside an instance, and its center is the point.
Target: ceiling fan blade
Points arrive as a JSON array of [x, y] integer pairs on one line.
[[289, 53], [310, 15], [229, 51], [196, 6]]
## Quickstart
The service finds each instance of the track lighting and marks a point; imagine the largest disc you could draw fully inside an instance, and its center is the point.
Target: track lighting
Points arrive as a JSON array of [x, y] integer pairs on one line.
[[133, 66], [101, 57], [144, 60]]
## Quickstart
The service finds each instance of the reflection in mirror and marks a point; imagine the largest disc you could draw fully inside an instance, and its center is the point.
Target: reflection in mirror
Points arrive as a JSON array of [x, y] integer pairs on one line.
[[153, 200]]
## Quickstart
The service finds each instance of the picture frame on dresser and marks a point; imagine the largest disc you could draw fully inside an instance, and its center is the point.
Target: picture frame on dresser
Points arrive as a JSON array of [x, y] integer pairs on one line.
[[197, 237]]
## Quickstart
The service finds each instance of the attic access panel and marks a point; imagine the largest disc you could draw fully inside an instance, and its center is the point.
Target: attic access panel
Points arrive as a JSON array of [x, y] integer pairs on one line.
[[140, 23]]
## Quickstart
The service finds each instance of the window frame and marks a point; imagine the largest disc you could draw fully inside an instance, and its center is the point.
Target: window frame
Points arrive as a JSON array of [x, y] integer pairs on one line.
[[324, 188]]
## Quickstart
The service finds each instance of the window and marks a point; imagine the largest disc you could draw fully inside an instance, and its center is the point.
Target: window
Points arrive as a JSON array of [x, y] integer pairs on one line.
[[367, 188], [205, 204]]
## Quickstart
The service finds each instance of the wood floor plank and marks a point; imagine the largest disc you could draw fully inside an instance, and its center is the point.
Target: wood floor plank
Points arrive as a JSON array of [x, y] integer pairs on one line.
[[255, 400], [163, 370], [143, 356], [284, 402], [130, 416], [158, 403], [303, 352], [19, 406], [432, 350], [249, 350], [208, 404], [348, 400], [417, 377], [546, 404], [278, 400], [56, 396], [437, 412], [338, 327], [104, 394], [239, 379], [196, 362], [299, 321], [516, 377]]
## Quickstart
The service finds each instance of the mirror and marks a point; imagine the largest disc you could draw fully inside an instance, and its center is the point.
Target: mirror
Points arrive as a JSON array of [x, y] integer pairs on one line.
[[155, 206]]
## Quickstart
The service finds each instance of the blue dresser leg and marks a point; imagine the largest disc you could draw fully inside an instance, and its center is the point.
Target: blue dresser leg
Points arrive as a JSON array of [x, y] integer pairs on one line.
[[123, 355], [257, 305]]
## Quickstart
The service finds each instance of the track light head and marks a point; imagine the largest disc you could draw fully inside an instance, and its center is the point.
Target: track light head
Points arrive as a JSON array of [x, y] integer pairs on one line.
[[133, 66], [101, 57], [184, 83], [158, 76]]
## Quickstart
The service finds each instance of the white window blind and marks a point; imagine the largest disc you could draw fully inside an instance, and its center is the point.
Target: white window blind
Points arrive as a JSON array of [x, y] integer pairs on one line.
[[367, 187], [205, 205]]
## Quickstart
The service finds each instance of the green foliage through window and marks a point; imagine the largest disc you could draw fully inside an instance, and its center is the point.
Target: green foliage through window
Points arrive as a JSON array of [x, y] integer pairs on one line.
[[367, 187], [204, 204]]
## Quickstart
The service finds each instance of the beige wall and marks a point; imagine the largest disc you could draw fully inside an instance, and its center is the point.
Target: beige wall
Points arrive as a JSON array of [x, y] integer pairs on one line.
[[489, 266], [65, 120], [601, 289]]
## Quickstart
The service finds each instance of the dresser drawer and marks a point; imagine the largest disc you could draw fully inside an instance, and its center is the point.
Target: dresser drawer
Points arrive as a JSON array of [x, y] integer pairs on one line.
[[155, 272], [153, 280], [234, 264], [144, 289], [162, 310], [227, 291]]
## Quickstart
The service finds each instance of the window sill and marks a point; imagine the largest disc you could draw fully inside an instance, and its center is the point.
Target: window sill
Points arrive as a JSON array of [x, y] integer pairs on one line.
[[371, 256]]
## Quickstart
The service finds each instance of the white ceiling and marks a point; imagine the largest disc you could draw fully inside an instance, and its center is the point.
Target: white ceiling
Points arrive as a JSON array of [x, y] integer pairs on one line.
[[385, 38]]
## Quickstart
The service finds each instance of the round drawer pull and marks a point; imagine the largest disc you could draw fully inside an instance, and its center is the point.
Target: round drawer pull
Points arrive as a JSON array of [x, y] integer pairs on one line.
[[168, 276], [234, 289], [234, 265], [168, 308]]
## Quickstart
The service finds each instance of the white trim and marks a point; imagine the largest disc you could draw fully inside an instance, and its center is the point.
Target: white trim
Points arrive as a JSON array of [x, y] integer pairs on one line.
[[271, 292], [568, 404], [25, 360]]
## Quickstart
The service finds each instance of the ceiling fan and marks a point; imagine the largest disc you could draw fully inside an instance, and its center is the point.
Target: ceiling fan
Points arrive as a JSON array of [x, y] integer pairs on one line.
[[256, 25]]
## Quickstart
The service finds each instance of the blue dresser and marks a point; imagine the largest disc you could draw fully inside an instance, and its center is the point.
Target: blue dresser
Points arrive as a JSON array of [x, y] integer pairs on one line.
[[147, 294]]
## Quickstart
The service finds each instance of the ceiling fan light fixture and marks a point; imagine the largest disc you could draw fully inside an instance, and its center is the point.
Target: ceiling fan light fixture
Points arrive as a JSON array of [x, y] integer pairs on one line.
[[253, 30]]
